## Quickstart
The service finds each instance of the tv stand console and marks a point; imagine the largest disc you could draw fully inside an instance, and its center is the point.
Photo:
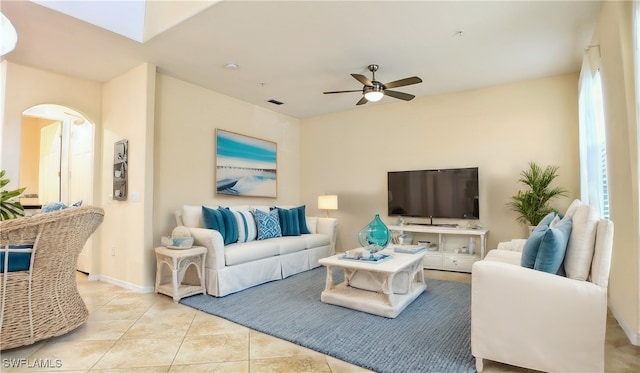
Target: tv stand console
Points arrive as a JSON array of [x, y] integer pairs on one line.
[[449, 249]]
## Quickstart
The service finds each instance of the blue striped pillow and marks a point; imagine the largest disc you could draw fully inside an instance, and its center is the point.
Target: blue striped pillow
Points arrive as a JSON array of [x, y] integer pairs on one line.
[[246, 222]]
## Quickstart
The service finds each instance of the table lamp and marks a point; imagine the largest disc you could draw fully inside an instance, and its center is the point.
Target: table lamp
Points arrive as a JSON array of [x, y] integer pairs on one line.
[[328, 202]]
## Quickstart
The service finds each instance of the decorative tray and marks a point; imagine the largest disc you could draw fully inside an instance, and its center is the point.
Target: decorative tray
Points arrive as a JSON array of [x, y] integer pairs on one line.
[[373, 258], [178, 247], [409, 249]]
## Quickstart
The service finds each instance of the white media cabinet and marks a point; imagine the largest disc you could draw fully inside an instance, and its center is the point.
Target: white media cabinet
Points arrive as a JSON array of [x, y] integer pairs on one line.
[[447, 241]]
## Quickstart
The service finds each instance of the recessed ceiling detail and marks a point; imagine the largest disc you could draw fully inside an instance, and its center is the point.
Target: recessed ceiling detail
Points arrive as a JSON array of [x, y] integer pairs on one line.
[[139, 20]]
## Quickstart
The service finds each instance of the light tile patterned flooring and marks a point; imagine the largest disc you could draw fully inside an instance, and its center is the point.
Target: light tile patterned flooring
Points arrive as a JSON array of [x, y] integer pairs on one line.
[[130, 332]]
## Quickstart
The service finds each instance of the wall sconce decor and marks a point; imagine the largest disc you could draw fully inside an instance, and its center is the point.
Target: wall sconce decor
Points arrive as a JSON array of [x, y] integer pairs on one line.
[[120, 170]]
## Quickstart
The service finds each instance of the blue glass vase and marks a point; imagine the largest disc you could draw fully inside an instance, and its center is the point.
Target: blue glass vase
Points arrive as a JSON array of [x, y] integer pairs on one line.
[[375, 236]]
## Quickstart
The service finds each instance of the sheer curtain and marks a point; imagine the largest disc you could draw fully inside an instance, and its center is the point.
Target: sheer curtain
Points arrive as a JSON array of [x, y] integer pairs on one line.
[[593, 152]]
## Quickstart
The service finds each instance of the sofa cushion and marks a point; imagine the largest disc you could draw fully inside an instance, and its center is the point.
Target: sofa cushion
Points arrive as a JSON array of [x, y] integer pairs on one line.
[[290, 244], [268, 224], [553, 247], [230, 226], [530, 249], [577, 263], [504, 256], [238, 253], [316, 240], [246, 222], [289, 222]]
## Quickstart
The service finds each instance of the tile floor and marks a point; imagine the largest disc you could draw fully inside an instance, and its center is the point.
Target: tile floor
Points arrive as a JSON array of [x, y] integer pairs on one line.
[[130, 332]]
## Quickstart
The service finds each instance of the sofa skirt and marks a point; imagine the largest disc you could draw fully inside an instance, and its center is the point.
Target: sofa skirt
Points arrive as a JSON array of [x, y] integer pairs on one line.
[[231, 279]]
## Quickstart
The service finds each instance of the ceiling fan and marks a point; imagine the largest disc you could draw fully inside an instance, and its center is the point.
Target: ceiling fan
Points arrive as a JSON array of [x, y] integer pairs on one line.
[[373, 90]]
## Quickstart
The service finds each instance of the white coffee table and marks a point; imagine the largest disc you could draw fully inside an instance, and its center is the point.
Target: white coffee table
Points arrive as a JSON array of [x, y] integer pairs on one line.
[[385, 288]]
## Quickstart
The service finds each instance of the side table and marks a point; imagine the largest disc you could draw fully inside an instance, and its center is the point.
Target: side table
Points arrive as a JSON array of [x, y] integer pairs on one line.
[[178, 261]]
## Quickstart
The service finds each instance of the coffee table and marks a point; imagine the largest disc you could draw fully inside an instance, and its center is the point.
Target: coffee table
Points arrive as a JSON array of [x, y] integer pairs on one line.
[[383, 288]]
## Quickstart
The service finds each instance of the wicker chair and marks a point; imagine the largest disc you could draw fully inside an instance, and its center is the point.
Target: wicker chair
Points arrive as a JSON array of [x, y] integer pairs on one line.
[[43, 301]]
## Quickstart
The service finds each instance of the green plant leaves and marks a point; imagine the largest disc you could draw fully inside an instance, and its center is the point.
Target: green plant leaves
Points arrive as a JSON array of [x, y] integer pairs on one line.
[[10, 207], [533, 204]]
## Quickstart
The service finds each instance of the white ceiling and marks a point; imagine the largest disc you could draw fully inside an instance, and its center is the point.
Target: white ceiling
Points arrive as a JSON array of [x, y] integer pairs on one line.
[[292, 51]]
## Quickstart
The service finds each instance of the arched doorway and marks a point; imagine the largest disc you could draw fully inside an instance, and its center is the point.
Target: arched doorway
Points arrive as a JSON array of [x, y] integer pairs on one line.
[[56, 160]]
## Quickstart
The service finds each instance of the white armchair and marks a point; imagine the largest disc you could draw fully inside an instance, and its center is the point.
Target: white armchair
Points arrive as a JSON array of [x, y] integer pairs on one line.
[[538, 320]]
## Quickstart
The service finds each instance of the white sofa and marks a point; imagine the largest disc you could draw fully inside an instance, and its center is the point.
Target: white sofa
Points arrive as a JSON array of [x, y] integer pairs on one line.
[[238, 266], [539, 320]]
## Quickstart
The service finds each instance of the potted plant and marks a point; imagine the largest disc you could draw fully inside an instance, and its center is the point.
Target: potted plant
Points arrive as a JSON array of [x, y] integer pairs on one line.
[[533, 204], [10, 206]]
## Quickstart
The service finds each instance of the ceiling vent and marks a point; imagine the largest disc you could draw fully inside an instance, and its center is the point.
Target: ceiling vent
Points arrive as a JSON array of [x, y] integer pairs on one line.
[[275, 102]]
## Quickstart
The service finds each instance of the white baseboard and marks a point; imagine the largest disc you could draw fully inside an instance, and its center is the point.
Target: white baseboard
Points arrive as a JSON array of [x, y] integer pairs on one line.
[[122, 284], [633, 336]]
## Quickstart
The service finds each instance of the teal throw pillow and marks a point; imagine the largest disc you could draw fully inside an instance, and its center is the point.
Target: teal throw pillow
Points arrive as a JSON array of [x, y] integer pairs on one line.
[[302, 219], [268, 224], [230, 226], [553, 247], [17, 261], [289, 224], [530, 249], [212, 219]]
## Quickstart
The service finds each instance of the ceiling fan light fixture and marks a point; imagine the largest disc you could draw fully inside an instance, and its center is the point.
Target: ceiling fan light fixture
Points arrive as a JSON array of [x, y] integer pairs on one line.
[[373, 95]]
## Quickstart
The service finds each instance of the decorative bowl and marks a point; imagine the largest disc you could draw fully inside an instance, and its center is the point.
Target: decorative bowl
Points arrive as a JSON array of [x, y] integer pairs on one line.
[[182, 242]]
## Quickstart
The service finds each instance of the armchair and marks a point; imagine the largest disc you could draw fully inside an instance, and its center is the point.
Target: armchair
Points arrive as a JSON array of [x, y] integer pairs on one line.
[[539, 320], [41, 300]]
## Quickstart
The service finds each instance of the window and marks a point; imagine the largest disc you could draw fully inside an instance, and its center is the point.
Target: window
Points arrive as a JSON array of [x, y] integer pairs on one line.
[[593, 144]]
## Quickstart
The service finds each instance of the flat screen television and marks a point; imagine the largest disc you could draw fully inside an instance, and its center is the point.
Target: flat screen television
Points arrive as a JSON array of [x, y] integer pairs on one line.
[[445, 193]]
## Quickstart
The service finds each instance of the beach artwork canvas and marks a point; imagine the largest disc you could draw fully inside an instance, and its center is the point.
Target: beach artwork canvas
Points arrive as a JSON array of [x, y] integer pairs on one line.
[[245, 166]]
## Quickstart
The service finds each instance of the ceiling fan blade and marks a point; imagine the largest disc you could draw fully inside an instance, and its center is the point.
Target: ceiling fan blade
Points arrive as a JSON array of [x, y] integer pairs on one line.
[[399, 95], [403, 82], [362, 79], [362, 101], [355, 90]]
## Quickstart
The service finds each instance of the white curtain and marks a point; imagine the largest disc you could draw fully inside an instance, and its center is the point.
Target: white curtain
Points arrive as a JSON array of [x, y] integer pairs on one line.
[[592, 183], [636, 56]]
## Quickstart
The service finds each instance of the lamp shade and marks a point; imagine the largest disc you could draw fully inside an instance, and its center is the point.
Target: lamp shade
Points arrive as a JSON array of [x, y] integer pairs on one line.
[[328, 202]]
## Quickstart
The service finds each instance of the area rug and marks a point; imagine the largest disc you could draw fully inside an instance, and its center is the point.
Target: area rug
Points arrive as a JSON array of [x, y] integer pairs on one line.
[[431, 335]]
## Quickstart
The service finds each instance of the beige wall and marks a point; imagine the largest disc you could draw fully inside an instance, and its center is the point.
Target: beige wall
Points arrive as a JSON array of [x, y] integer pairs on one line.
[[186, 119], [128, 114], [26, 87], [30, 153], [498, 129], [614, 34]]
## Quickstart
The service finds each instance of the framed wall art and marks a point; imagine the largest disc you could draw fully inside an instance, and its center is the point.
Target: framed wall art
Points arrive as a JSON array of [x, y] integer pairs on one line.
[[120, 169], [245, 165]]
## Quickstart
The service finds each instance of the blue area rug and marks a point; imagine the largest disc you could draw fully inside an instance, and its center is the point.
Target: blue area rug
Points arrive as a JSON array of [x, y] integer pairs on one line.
[[431, 335]]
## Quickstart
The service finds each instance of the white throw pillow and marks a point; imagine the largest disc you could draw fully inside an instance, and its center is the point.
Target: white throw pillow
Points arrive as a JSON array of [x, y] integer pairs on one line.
[[573, 207], [312, 221], [577, 261], [192, 216]]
